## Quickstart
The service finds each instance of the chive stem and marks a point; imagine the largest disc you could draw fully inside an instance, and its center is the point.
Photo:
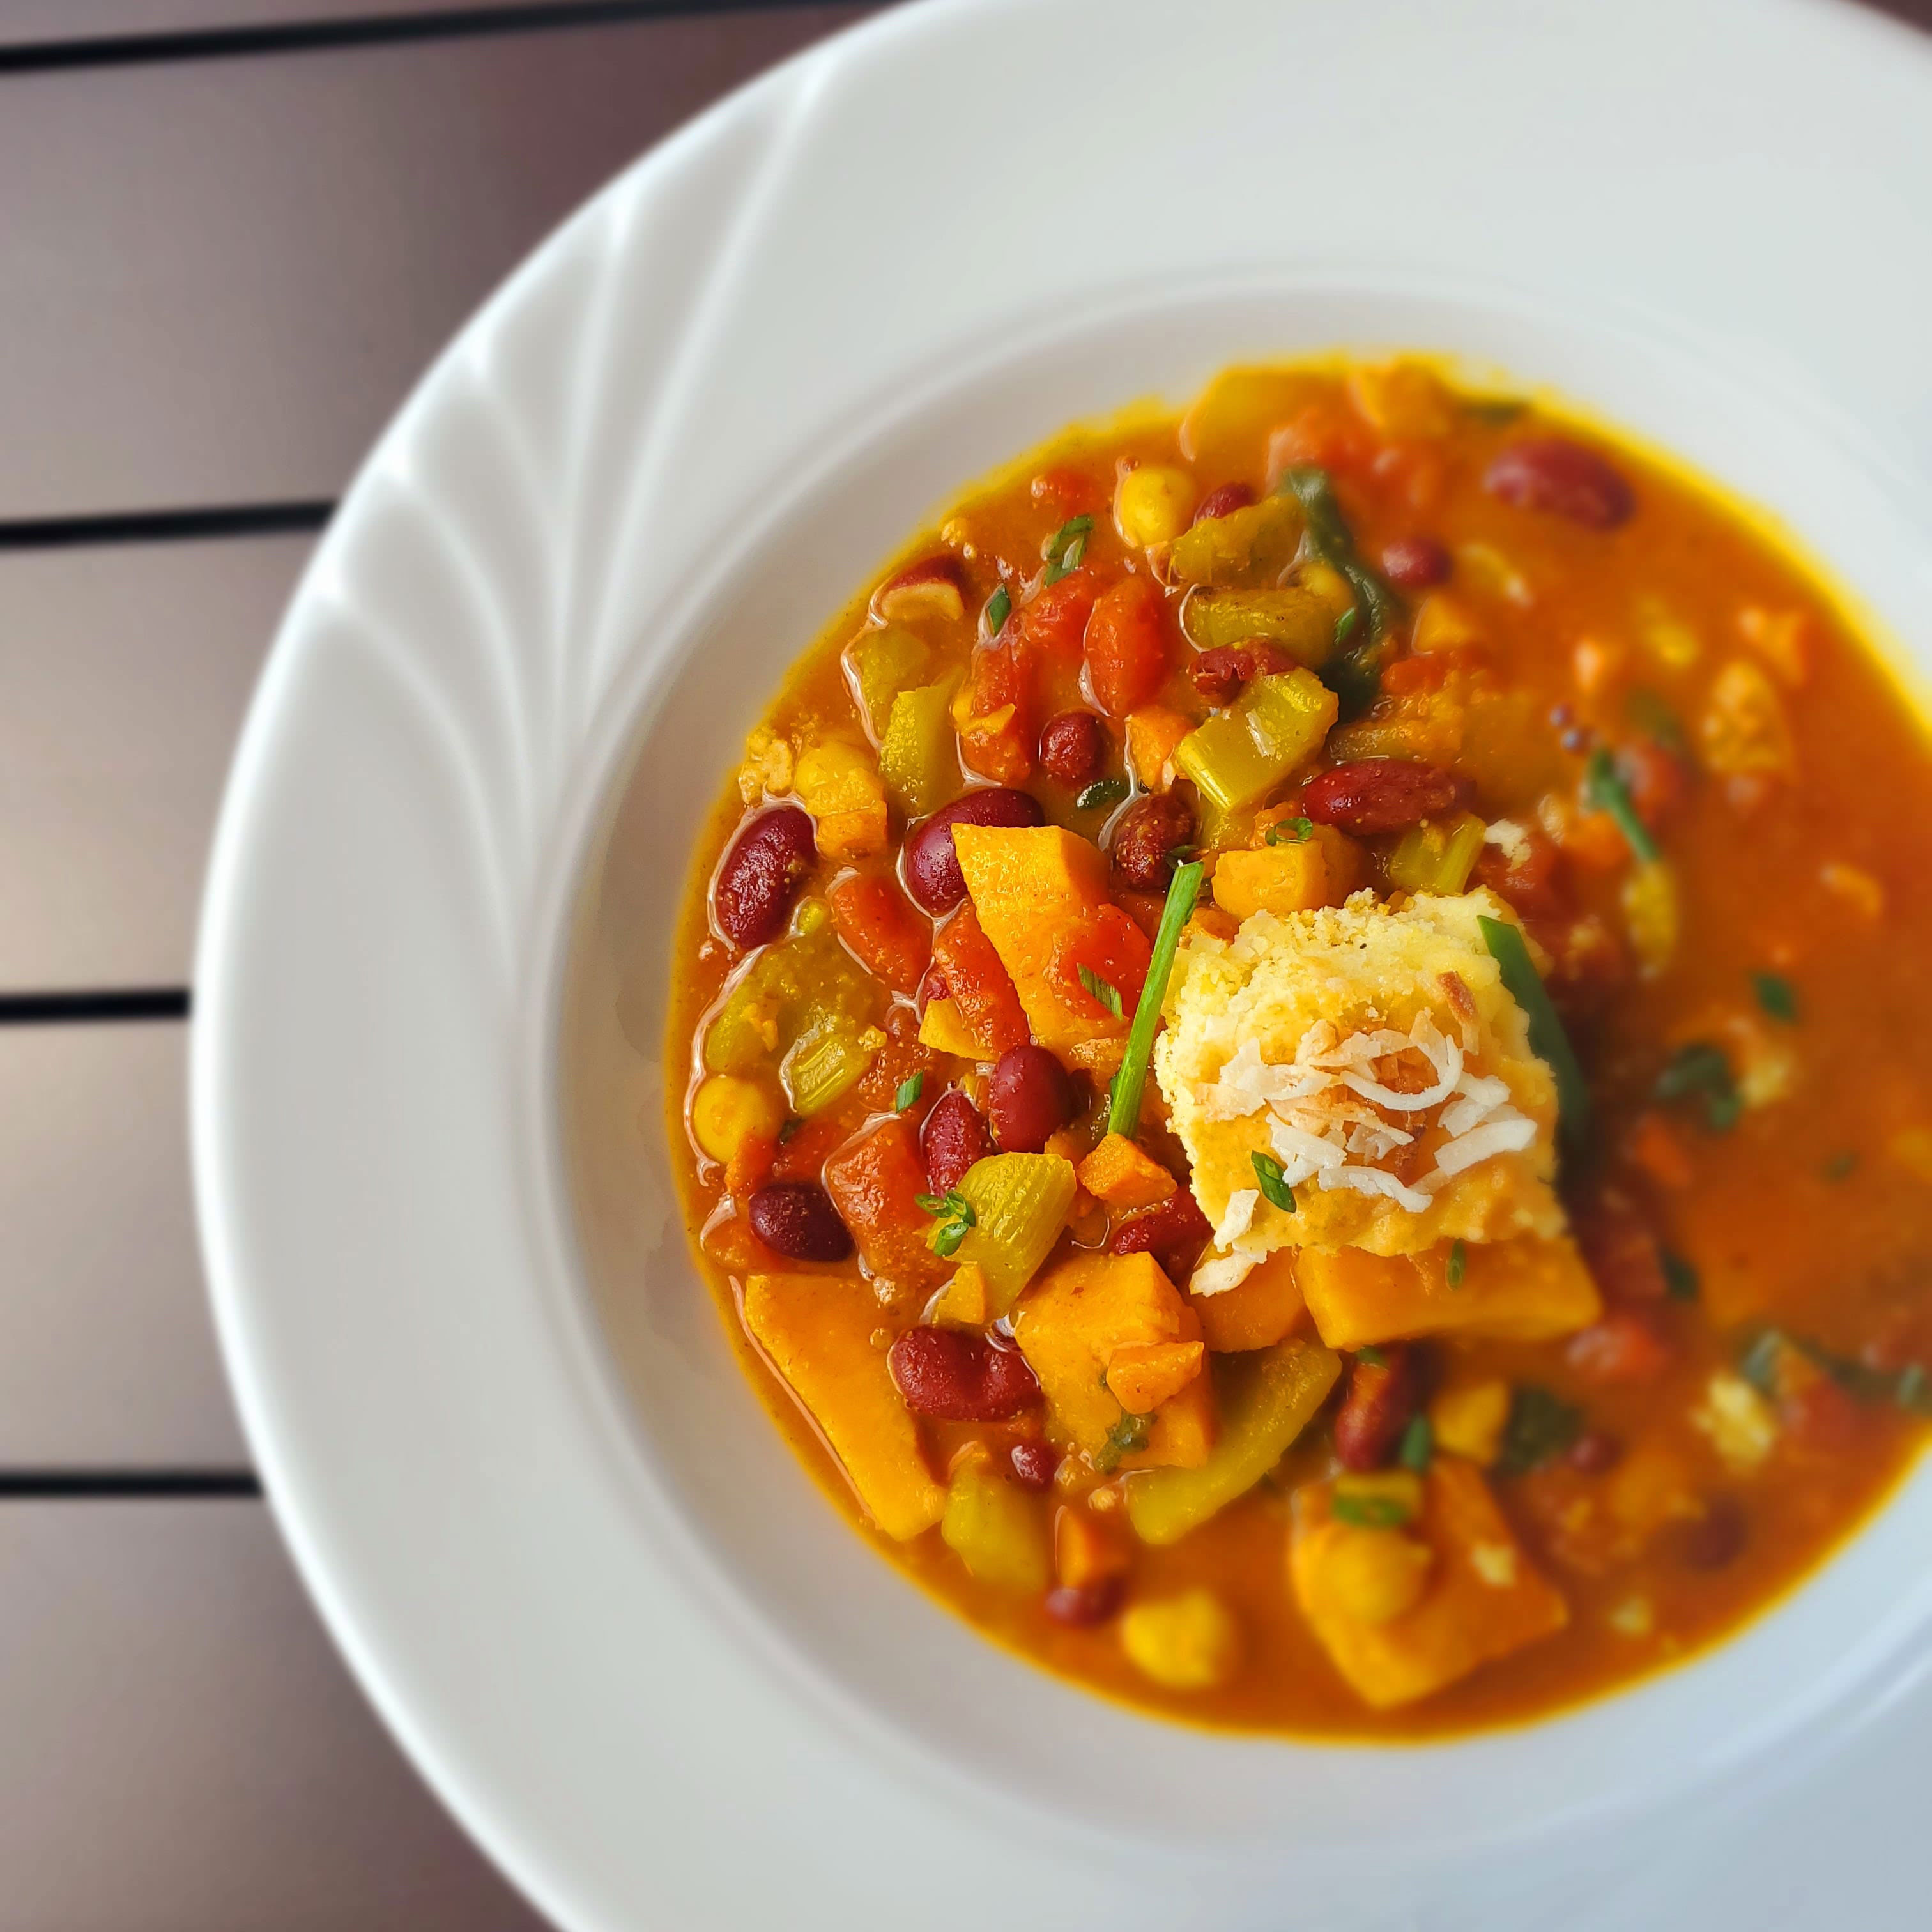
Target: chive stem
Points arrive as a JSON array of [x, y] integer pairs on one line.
[[1124, 1113], [1547, 1039], [1608, 792]]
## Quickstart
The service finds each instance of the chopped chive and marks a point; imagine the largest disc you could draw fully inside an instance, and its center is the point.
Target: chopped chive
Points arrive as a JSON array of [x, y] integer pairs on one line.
[[1066, 548], [1345, 624], [1459, 1262], [1840, 1166], [1102, 990], [1374, 1357], [1354, 675], [1776, 995], [1102, 791], [911, 1088], [1758, 1363], [999, 608], [1274, 1184], [1680, 1276], [1547, 1039], [1541, 1426], [1123, 1112], [1607, 792], [1368, 1512], [787, 1127], [1699, 1070], [1418, 1445], [1657, 721], [1289, 831], [955, 1215]]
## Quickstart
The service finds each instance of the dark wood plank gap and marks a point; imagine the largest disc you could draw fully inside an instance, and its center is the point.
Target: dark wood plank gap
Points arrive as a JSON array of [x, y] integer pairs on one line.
[[130, 526], [364, 30], [122, 1485], [124, 1002]]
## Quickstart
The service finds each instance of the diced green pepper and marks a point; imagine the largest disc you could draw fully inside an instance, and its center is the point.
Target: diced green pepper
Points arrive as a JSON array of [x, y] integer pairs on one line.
[[1266, 1399], [918, 757], [1251, 547], [881, 664], [1295, 619], [1020, 1204], [1437, 857], [1239, 755]]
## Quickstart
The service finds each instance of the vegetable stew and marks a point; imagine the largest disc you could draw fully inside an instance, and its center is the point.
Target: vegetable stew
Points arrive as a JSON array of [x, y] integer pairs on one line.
[[1306, 1089]]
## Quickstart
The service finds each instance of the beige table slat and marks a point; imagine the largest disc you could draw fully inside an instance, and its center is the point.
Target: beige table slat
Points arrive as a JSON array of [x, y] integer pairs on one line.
[[107, 1351], [221, 277], [125, 674], [185, 1753], [37, 22]]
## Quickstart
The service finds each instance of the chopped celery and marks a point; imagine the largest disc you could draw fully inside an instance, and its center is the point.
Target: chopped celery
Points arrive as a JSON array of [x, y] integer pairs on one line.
[[1251, 547], [799, 985], [1239, 755], [997, 1530], [879, 664], [827, 1061], [1266, 1399], [1296, 619], [1547, 1039], [1123, 1108], [919, 757], [1437, 857], [1020, 1204]]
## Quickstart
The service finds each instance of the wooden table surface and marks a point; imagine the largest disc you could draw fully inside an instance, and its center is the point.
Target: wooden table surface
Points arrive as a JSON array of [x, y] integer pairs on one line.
[[231, 233]]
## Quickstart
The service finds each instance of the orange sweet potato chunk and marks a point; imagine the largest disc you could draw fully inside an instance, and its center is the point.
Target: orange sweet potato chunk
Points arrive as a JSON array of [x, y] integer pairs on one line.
[[1255, 1313], [1118, 1173], [817, 1331]]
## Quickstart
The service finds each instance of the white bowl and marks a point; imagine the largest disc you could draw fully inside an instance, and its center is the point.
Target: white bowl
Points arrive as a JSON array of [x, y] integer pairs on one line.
[[539, 1506]]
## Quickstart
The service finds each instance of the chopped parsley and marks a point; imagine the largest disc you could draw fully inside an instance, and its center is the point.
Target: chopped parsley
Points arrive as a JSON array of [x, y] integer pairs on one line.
[[1102, 791], [1128, 1434], [1459, 1263], [1776, 995], [1273, 1184], [1108, 993], [1909, 1388], [1840, 1166], [1541, 1426], [954, 1214], [787, 1127], [1680, 1276], [1418, 1445], [1700, 1070], [999, 608], [1066, 548], [911, 1088], [1374, 1357]]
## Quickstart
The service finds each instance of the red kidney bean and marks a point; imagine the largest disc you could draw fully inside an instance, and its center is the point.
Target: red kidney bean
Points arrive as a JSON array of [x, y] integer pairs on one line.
[[1415, 563], [1373, 795], [1174, 1231], [956, 1374], [1561, 479], [1073, 747], [1220, 674], [1029, 1098], [1035, 1464], [932, 874], [1717, 1538], [1382, 1396], [796, 1219], [1595, 1452], [759, 874], [954, 1137], [1081, 1607], [1144, 838], [1225, 501], [1627, 1345]]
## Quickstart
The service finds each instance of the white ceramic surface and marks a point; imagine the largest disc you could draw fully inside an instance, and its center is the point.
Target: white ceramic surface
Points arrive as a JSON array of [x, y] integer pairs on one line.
[[541, 1511]]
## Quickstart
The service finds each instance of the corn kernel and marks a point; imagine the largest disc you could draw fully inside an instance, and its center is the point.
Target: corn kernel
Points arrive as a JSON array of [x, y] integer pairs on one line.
[[727, 1112], [1368, 1576], [1400, 1489], [1651, 915], [1188, 1642], [1470, 1421], [1442, 624], [1153, 505]]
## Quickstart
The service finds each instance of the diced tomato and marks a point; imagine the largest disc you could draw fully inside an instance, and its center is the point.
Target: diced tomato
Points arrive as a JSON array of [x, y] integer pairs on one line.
[[997, 730], [1054, 622], [1530, 876], [1417, 471], [1115, 950], [1656, 780], [1069, 491], [875, 919], [988, 1002], [875, 1182], [801, 1157], [1327, 434], [1627, 1345], [1126, 646], [750, 1162], [1622, 1254], [899, 1060], [1821, 1416]]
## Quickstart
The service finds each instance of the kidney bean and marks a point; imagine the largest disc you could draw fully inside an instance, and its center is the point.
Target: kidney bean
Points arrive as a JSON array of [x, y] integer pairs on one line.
[[759, 875], [954, 1137], [956, 1374], [1220, 674], [1081, 1607], [1627, 1345], [1073, 747], [1371, 795], [1415, 563], [1561, 479], [1144, 838], [932, 874], [1225, 501], [1035, 1464], [1717, 1539], [796, 1219], [1595, 1451], [1622, 1253], [1381, 1398], [1029, 1097], [1173, 1231]]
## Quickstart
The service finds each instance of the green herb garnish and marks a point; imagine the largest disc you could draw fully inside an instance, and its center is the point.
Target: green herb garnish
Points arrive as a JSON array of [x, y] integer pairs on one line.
[[999, 608], [1368, 1512], [1541, 1426], [911, 1088], [1699, 1070], [1657, 721], [1680, 1276], [955, 1215], [787, 1127], [1289, 832], [1128, 1434], [1496, 410], [1418, 1445], [1909, 1388], [1274, 1187], [1547, 1039], [1102, 990], [1066, 548], [1776, 995], [1459, 1263], [1346, 622], [1354, 675], [1374, 1357], [1840, 1166], [1605, 790], [1124, 1111], [1102, 791]]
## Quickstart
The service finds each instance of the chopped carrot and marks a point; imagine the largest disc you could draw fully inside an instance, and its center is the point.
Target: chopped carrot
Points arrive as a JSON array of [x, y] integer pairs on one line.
[[1126, 646], [875, 1182]]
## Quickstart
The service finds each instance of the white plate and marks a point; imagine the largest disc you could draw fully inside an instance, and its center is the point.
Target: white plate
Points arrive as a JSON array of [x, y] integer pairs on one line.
[[539, 1508]]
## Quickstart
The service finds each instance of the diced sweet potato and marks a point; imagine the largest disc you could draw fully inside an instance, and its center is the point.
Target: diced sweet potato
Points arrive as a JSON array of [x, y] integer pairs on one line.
[[1143, 1374], [941, 1028], [817, 1331], [1290, 877], [1085, 1551], [967, 1299], [1525, 1290], [1482, 1599], [875, 1181], [840, 786], [1069, 1325], [1254, 1313], [1118, 1173], [1153, 732]]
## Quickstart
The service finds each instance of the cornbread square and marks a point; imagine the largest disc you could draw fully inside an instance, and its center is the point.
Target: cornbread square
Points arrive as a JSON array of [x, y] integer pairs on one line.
[[1375, 1053]]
